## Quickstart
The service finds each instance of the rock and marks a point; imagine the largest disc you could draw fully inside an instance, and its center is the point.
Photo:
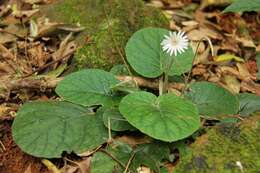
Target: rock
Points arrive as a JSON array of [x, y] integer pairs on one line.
[[109, 24], [226, 149]]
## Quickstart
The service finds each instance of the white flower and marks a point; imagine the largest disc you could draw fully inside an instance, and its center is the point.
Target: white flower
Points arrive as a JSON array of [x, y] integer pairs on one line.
[[175, 43]]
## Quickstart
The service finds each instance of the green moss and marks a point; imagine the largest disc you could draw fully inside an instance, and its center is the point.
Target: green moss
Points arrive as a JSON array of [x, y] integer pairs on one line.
[[109, 24], [221, 148]]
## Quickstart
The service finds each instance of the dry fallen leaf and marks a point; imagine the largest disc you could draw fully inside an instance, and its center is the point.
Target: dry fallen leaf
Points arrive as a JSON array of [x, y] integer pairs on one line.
[[243, 71], [232, 84], [144, 170], [206, 3], [82, 166], [227, 57], [28, 169]]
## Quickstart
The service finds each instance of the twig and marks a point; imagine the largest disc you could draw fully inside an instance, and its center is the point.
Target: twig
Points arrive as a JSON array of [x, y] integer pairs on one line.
[[5, 50], [114, 158], [193, 60], [153, 84], [109, 130], [129, 162], [2, 146], [50, 83]]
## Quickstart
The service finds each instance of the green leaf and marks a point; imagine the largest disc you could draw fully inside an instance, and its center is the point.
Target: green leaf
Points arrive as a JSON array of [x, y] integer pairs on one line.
[[167, 118], [182, 62], [249, 103], [150, 155], [144, 53], [117, 121], [102, 162], [212, 100], [88, 87], [46, 129], [243, 5]]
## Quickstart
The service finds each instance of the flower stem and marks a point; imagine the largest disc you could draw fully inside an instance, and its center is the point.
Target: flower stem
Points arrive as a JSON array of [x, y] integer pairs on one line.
[[165, 77], [166, 81], [161, 85]]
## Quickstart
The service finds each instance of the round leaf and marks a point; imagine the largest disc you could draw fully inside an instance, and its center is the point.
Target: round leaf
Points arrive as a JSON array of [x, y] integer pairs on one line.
[[182, 63], [88, 87], [46, 129], [212, 100], [167, 118], [144, 53], [117, 121]]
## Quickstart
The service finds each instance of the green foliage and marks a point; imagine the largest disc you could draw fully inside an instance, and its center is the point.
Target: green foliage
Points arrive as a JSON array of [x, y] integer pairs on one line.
[[117, 122], [212, 100], [102, 162], [249, 103], [46, 129], [244, 5], [150, 155], [88, 87], [167, 118], [145, 55]]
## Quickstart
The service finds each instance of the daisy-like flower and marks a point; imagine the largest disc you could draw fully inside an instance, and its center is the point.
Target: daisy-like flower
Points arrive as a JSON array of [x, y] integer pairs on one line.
[[175, 43]]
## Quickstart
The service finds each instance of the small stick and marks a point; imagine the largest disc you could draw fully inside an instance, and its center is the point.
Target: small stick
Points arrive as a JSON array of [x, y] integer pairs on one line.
[[113, 157], [193, 60], [50, 83], [129, 162], [3, 146], [109, 130]]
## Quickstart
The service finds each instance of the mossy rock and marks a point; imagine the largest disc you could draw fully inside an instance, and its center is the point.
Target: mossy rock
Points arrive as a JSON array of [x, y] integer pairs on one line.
[[222, 149], [109, 24]]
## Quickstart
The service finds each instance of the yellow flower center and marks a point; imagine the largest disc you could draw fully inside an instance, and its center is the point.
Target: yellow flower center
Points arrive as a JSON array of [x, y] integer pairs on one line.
[[174, 41]]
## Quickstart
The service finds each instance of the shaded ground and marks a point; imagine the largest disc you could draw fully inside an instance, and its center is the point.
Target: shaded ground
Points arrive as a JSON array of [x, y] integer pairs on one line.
[[13, 160]]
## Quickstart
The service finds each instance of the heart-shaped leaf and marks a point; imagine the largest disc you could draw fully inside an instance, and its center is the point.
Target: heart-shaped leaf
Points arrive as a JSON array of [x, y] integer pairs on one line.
[[167, 118], [212, 100], [46, 129], [117, 122], [88, 87], [144, 53]]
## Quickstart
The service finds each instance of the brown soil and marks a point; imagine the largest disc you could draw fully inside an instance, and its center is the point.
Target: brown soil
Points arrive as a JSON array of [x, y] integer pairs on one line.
[[13, 160]]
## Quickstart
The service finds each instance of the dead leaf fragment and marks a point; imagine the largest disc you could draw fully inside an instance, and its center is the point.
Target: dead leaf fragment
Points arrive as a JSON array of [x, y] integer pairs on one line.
[[232, 84], [28, 169], [227, 57], [243, 71]]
